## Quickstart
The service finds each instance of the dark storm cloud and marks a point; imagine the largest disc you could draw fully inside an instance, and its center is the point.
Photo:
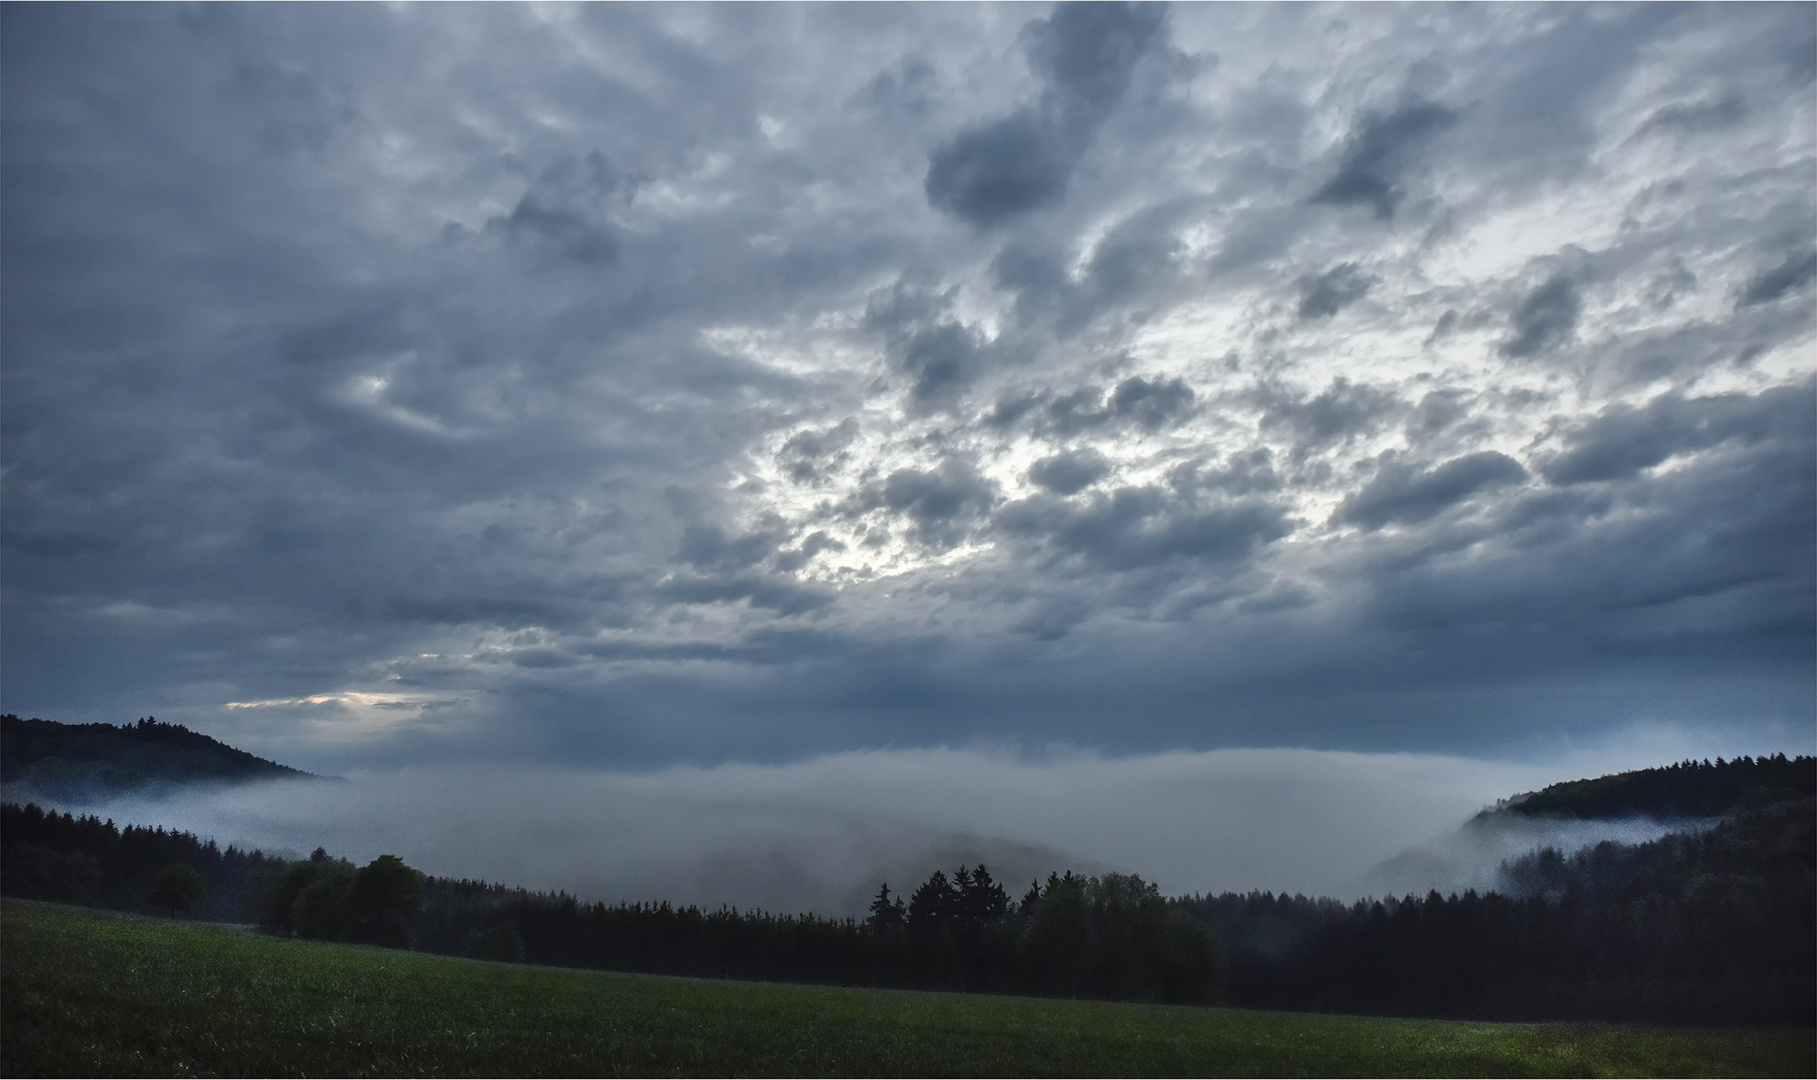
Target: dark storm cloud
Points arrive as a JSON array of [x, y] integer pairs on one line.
[[1720, 549], [1084, 54], [1789, 276], [566, 211], [940, 355], [654, 384], [1381, 150], [943, 502], [1326, 294], [809, 455], [1069, 473], [781, 596], [1622, 440], [1545, 319], [1148, 404], [707, 547], [1129, 528], [1691, 118], [940, 360], [989, 174], [1341, 411], [1403, 494]]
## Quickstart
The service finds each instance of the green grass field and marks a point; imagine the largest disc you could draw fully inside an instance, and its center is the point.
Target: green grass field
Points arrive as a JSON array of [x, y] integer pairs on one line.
[[90, 993]]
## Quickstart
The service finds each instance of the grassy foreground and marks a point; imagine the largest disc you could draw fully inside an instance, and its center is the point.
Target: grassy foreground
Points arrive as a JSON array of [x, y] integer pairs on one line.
[[91, 993]]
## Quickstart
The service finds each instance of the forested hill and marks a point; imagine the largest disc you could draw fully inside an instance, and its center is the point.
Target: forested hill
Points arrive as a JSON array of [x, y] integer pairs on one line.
[[1685, 791], [88, 759]]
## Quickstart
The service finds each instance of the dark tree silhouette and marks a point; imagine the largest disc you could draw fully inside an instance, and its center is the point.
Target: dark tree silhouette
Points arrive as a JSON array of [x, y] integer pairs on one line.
[[887, 915], [931, 905], [177, 888], [384, 903]]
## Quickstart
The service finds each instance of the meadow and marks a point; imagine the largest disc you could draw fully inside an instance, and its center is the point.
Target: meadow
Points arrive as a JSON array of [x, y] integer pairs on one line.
[[85, 992]]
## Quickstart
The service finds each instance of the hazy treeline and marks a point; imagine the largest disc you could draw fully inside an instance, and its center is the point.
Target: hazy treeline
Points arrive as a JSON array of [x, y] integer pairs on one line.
[[1687, 790], [45, 855], [1718, 927], [1112, 937]]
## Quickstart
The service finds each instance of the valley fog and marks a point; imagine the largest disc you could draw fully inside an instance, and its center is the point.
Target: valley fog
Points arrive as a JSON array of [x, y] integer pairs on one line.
[[820, 835]]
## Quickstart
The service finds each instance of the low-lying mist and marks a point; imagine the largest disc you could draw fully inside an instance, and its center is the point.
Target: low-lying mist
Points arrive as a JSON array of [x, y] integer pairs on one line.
[[1471, 856], [820, 835]]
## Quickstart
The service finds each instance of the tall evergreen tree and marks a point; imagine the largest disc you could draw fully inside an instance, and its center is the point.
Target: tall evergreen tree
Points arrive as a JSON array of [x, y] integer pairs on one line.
[[931, 905], [886, 915]]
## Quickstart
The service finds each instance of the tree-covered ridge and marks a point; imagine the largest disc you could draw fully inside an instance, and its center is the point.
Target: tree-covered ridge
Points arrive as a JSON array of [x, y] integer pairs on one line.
[[1703, 927], [1688, 790], [83, 759]]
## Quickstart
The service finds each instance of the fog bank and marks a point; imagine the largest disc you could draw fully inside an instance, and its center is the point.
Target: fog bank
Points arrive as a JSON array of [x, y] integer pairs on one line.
[[821, 834]]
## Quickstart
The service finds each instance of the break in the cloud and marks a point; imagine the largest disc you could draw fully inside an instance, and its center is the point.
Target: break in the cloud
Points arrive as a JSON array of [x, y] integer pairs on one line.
[[648, 384]]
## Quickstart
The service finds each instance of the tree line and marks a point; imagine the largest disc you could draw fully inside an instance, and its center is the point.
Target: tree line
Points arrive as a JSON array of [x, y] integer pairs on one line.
[[1717, 926], [1685, 790], [1112, 937]]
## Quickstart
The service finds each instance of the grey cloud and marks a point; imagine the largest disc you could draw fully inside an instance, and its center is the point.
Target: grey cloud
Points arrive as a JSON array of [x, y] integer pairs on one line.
[[1622, 441], [782, 597], [707, 547], [1011, 166], [943, 502], [1789, 276], [1024, 161], [1008, 411], [910, 86], [1147, 404], [1406, 495], [815, 543], [1343, 410], [1442, 329], [1438, 410], [940, 355], [1378, 155], [1133, 261], [1717, 554], [1545, 319], [1690, 118], [1327, 294], [1151, 405], [1087, 53], [1071, 472], [284, 415], [942, 360], [565, 212], [1249, 472], [1136, 527], [809, 456]]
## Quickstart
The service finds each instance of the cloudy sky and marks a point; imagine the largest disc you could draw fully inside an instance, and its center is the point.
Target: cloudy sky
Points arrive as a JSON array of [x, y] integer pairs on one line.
[[668, 387]]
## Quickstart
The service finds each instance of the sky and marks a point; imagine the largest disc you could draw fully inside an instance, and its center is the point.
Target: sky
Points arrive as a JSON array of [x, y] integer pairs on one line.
[[646, 389]]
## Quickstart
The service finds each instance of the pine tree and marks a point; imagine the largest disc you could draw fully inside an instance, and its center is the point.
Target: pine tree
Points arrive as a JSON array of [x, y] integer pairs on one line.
[[932, 904], [886, 915]]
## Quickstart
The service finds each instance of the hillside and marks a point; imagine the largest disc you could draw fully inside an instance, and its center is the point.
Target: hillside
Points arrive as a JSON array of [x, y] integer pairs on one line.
[[76, 760], [216, 1001], [1689, 790]]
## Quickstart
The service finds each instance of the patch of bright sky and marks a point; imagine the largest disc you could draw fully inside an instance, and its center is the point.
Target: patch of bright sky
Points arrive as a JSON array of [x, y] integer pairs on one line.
[[351, 716]]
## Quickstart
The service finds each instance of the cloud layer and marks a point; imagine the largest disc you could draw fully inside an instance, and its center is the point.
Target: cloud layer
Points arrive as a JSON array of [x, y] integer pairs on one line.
[[640, 385]]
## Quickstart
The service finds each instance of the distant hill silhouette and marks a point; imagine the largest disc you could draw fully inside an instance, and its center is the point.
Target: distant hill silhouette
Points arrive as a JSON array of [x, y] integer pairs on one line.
[[1687, 790], [74, 760]]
